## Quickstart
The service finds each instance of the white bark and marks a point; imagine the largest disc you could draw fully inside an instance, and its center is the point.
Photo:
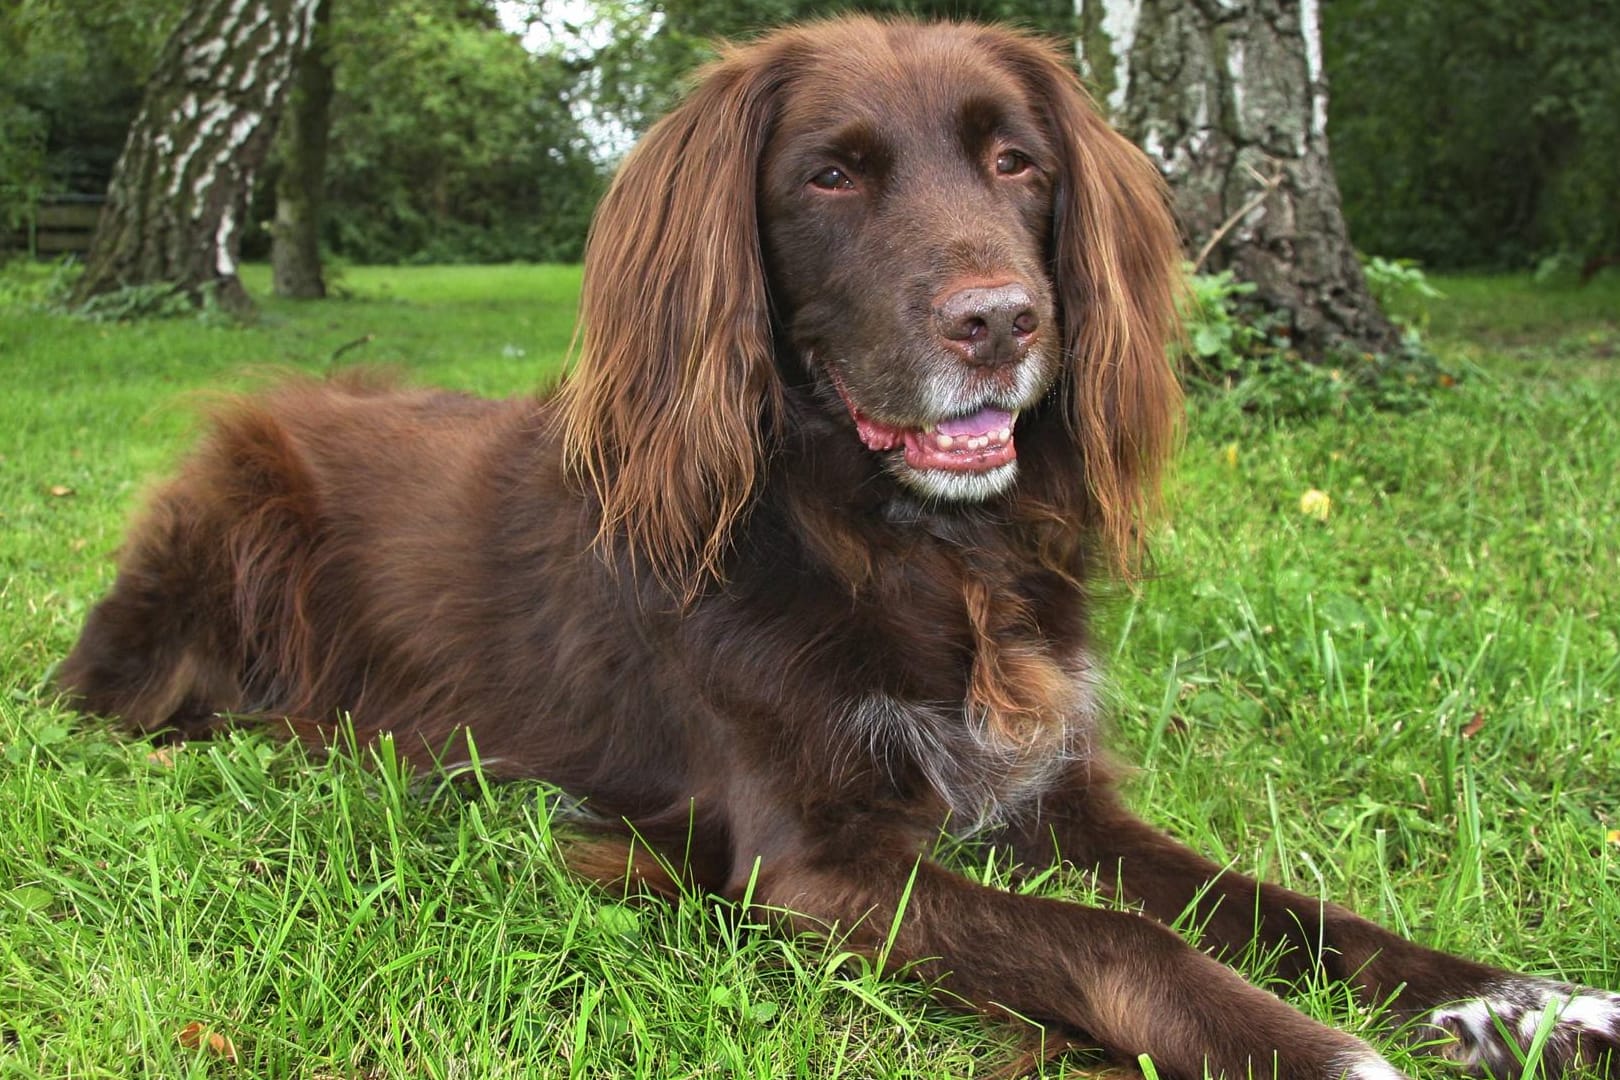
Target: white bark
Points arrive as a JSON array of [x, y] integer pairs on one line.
[[1229, 98], [180, 191]]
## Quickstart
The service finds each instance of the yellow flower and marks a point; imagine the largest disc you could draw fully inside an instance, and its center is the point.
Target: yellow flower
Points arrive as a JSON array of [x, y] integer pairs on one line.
[[1230, 455], [1614, 836], [1315, 504]]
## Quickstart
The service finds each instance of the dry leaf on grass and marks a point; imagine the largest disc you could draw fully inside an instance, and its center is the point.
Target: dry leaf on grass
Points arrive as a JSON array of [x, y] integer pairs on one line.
[[197, 1034]]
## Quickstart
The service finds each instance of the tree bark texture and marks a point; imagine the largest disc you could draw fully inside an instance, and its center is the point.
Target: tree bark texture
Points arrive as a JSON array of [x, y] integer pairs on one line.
[[295, 248], [1229, 98], [179, 193]]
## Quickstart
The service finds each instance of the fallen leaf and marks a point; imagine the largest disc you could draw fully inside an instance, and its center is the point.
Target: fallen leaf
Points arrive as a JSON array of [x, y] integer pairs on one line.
[[163, 756], [196, 1034], [1475, 724], [61, 490]]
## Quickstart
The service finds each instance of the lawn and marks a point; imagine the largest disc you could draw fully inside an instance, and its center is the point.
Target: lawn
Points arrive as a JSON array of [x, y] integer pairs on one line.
[[1408, 705]]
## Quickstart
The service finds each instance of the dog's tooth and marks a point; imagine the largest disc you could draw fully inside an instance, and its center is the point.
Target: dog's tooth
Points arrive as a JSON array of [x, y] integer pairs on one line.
[[943, 441], [1004, 434]]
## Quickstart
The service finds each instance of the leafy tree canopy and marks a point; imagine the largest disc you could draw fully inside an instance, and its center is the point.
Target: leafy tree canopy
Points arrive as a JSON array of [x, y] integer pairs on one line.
[[452, 142], [69, 86], [1477, 133], [1473, 133]]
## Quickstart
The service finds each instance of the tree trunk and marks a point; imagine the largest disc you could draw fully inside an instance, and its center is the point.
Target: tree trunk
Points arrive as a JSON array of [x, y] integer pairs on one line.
[[179, 193], [1229, 97], [295, 248]]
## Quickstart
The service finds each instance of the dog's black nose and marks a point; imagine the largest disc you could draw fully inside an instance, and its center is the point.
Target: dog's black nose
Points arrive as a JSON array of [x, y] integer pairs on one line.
[[989, 325]]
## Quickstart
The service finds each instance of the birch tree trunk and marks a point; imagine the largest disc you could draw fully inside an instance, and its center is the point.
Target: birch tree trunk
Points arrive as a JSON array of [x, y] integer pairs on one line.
[[179, 192], [295, 244], [1229, 98]]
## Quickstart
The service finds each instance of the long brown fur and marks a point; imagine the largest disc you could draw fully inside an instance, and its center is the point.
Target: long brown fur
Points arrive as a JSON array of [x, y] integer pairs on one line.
[[739, 591]]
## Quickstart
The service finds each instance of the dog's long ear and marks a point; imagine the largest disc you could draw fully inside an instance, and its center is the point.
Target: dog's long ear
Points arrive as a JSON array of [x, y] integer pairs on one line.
[[1116, 266], [665, 413]]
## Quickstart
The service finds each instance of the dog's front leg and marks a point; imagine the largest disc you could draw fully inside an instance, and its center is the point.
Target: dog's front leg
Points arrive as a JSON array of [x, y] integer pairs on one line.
[[1480, 1016], [1125, 980]]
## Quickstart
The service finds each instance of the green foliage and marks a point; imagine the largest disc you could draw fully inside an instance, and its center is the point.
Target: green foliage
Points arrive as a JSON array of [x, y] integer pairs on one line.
[[155, 300], [48, 288], [1239, 354], [656, 44], [1463, 135], [1223, 338], [1402, 289], [27, 285], [69, 86], [720, 17], [22, 164], [1477, 133], [450, 142]]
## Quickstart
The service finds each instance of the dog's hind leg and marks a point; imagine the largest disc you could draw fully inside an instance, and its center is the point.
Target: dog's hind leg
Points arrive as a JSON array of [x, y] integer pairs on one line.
[[157, 651], [168, 647]]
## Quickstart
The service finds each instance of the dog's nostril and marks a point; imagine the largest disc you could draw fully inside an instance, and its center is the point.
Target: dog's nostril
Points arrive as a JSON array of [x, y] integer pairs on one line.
[[1026, 323]]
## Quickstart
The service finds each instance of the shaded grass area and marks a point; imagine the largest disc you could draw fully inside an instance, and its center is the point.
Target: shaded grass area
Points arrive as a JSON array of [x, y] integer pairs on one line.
[[1409, 706]]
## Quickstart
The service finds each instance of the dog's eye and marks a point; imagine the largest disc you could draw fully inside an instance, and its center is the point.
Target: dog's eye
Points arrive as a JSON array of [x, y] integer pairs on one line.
[[832, 179], [1012, 163]]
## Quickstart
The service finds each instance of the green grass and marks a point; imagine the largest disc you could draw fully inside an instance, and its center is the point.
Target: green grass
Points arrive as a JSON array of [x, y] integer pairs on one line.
[[1409, 706]]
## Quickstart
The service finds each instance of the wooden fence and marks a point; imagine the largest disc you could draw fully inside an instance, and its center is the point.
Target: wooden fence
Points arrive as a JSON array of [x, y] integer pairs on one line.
[[63, 225]]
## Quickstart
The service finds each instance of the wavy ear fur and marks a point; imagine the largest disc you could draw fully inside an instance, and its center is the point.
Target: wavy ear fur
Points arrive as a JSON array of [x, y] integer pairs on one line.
[[664, 416], [1116, 262]]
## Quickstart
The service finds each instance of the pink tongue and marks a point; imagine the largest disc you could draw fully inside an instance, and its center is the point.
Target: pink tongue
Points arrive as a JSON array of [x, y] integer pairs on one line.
[[986, 421]]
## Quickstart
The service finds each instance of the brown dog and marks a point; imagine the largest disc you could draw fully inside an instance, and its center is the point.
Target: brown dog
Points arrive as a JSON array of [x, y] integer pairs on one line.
[[793, 571]]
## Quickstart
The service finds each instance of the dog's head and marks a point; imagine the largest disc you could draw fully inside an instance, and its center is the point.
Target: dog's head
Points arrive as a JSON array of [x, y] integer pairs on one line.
[[935, 225]]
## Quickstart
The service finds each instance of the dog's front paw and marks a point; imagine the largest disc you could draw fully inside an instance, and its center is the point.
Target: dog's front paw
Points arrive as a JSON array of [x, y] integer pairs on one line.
[[1493, 1034], [1365, 1065]]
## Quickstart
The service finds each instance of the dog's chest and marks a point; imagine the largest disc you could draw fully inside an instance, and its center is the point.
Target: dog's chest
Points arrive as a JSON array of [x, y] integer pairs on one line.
[[990, 756]]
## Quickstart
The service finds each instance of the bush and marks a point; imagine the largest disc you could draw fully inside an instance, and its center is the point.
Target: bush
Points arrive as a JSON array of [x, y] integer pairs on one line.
[[1237, 351]]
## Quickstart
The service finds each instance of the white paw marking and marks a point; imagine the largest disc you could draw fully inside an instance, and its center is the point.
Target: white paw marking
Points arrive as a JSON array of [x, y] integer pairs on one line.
[[1585, 1024], [1366, 1066]]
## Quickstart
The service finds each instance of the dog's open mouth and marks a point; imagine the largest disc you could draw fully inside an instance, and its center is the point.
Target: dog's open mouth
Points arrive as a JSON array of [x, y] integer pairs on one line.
[[974, 443]]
